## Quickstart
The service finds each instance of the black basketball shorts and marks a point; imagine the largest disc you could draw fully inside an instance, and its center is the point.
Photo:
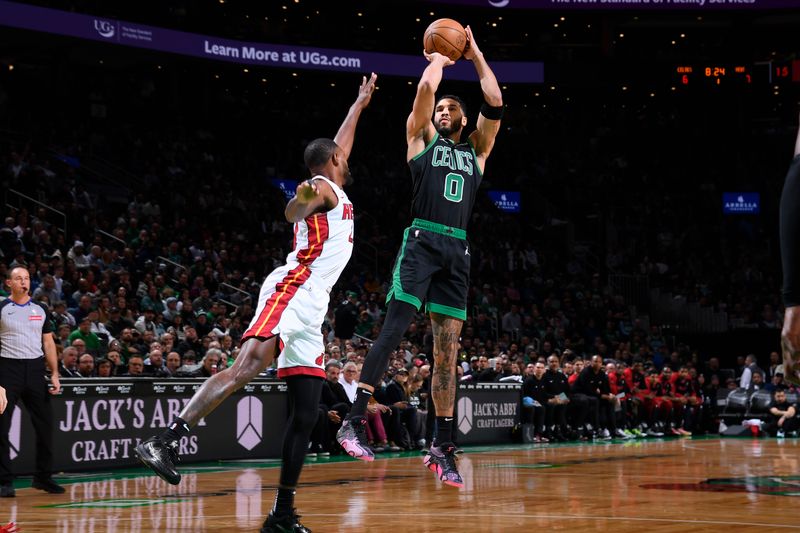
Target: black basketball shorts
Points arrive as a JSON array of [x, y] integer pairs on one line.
[[432, 266]]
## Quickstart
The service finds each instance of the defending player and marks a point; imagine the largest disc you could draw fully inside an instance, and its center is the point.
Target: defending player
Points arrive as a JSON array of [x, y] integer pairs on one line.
[[291, 307], [790, 255], [433, 262]]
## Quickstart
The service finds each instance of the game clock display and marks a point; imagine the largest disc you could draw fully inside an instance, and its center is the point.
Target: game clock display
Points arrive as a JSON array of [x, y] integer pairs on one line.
[[732, 74]]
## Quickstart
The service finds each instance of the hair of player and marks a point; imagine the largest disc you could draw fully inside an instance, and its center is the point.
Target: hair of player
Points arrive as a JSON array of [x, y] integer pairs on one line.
[[457, 99], [318, 153]]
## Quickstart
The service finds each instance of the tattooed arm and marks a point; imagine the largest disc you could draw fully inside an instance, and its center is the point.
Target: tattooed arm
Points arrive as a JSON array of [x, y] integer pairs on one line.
[[446, 332]]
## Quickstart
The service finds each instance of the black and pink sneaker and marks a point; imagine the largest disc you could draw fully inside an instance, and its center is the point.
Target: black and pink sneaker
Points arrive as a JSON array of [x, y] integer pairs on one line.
[[441, 460], [353, 438]]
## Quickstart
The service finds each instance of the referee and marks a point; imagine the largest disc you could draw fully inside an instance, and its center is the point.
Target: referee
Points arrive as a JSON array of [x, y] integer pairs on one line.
[[26, 339]]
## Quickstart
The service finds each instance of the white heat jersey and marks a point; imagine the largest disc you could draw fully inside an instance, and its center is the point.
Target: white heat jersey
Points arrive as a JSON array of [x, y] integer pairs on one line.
[[323, 242], [294, 298]]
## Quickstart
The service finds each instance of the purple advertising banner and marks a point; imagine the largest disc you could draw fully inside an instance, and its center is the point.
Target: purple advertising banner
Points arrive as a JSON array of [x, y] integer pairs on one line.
[[247, 53], [695, 5]]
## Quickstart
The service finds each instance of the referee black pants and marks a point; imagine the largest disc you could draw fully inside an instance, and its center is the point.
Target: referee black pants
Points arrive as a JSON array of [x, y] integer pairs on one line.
[[24, 379]]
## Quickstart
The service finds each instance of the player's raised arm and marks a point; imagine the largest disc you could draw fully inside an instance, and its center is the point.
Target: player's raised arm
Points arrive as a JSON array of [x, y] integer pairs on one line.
[[347, 131], [419, 128], [488, 123]]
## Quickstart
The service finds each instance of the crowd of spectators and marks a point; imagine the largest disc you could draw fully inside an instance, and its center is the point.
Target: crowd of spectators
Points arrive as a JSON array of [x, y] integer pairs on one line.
[[156, 271]]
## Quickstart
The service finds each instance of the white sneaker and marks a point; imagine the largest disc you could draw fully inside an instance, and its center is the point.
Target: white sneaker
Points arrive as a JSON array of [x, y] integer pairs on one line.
[[605, 434], [780, 435]]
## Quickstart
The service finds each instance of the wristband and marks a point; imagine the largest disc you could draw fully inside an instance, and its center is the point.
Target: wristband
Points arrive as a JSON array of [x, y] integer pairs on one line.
[[492, 112]]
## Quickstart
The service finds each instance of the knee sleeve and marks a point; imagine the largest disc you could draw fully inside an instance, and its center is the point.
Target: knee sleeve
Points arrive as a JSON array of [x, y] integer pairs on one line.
[[304, 419], [304, 395]]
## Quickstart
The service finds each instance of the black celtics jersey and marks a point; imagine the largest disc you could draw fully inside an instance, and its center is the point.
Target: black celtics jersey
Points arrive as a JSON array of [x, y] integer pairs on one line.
[[446, 178]]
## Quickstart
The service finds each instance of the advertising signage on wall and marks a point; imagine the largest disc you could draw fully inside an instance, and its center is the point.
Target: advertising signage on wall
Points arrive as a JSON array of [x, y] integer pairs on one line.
[[115, 31], [741, 203], [287, 187], [487, 412], [98, 422], [507, 201]]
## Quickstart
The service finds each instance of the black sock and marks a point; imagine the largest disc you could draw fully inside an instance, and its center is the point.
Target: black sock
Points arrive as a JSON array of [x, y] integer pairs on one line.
[[360, 405], [444, 429], [284, 502], [177, 429]]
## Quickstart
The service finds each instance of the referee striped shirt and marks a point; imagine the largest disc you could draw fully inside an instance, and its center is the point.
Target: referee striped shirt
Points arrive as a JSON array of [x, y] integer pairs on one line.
[[21, 329]]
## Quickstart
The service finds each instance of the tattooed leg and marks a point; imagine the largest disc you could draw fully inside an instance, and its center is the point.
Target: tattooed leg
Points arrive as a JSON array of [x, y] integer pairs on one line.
[[790, 342], [254, 357], [446, 331]]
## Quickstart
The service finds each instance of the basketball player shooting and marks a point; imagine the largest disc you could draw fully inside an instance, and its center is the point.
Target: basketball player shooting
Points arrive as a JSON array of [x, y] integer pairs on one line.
[[790, 255], [291, 307], [433, 262]]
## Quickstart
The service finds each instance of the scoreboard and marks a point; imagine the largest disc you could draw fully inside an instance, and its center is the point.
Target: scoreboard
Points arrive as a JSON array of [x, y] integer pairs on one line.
[[728, 74]]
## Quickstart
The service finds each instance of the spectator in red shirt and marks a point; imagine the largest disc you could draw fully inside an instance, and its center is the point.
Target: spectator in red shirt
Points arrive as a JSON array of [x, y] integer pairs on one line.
[[641, 396], [577, 368], [668, 403], [659, 413], [569, 368], [686, 397]]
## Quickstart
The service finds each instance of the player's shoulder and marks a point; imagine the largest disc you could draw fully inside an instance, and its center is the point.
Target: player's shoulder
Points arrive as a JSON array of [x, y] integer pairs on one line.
[[5, 302], [325, 184], [329, 190]]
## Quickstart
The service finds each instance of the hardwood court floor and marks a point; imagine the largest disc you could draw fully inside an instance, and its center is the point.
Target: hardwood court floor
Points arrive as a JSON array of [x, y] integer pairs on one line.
[[660, 486]]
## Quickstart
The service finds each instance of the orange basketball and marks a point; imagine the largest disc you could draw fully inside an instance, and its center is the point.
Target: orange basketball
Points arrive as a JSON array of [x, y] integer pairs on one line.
[[447, 37]]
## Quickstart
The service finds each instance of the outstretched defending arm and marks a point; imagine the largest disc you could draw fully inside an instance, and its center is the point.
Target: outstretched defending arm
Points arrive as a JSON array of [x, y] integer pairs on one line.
[[488, 123], [347, 131], [313, 195], [790, 255]]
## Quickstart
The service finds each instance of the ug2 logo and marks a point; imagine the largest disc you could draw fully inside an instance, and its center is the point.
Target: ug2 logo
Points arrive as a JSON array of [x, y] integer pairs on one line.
[[104, 28]]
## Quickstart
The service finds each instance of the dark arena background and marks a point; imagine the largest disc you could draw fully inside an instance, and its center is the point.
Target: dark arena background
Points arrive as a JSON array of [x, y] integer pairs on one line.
[[629, 210]]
